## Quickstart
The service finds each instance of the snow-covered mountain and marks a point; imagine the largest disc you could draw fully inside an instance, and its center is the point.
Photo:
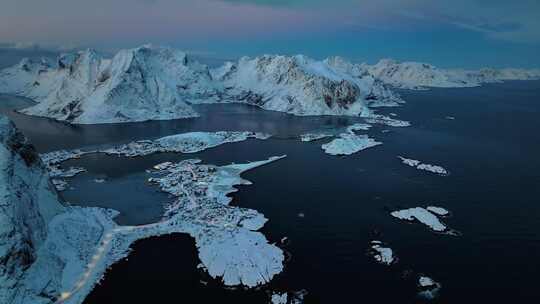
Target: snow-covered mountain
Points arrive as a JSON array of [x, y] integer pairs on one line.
[[29, 78], [145, 83], [28, 203], [153, 83], [299, 85], [416, 75]]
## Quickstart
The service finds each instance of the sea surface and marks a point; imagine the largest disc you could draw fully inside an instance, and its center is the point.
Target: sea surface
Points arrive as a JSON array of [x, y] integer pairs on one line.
[[491, 149]]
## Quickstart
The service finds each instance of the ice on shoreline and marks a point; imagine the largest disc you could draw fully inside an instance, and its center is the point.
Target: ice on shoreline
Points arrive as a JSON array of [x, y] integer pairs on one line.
[[421, 166], [423, 216], [381, 253], [58, 175]]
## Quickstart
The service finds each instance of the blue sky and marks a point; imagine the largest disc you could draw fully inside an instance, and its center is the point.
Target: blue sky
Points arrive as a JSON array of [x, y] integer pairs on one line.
[[459, 33]]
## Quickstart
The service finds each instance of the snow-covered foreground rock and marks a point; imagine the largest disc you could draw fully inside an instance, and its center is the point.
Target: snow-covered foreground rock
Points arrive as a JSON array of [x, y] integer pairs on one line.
[[427, 216], [417, 75], [381, 253], [191, 142], [45, 245], [28, 204], [52, 253], [421, 166]]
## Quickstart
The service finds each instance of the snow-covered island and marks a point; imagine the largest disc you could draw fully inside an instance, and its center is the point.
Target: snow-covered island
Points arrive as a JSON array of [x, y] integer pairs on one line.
[[229, 245], [58, 253], [382, 253], [428, 288], [191, 142], [306, 137], [428, 216], [349, 142], [421, 166]]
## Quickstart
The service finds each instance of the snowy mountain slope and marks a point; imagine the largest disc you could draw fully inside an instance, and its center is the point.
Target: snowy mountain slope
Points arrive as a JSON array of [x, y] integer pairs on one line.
[[145, 83], [28, 202], [153, 83], [296, 85], [375, 92], [416, 75], [29, 78]]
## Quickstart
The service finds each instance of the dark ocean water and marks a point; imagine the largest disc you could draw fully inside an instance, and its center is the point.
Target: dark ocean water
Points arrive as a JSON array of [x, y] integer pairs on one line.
[[491, 149]]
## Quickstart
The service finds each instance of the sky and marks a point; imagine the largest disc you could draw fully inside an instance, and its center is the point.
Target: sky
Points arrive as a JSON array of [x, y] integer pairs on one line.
[[458, 33]]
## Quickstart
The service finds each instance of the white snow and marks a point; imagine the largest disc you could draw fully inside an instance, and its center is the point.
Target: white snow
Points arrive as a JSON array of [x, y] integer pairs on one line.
[[52, 161], [428, 288], [388, 121], [145, 83], [425, 281], [300, 86], [315, 136], [438, 210], [421, 215], [293, 297], [348, 144], [154, 83], [417, 75], [184, 143], [229, 246], [279, 298], [59, 253], [421, 166], [382, 254]]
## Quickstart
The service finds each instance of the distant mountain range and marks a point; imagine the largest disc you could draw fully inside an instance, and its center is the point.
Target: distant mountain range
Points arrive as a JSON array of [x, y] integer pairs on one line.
[[155, 83]]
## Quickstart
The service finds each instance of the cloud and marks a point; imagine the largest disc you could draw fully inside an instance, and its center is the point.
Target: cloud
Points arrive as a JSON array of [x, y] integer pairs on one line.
[[34, 46], [129, 22], [515, 21]]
